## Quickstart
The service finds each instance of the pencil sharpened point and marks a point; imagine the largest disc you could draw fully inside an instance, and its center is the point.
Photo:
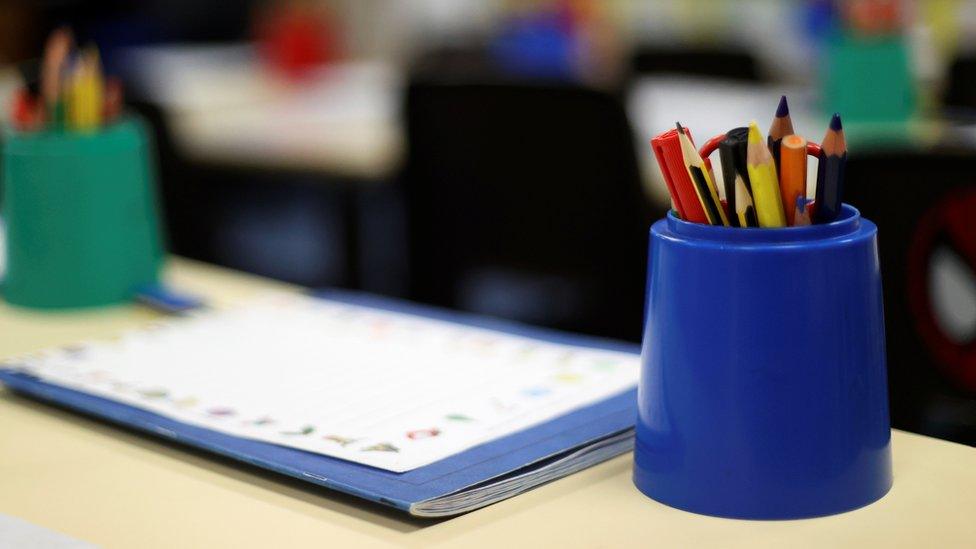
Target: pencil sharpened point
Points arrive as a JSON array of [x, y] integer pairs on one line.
[[754, 134], [835, 123], [783, 109]]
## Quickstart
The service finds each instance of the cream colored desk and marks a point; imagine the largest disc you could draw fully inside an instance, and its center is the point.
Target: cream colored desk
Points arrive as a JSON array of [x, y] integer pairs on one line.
[[111, 487]]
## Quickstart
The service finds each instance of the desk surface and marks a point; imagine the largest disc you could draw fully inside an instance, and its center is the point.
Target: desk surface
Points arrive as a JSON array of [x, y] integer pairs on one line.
[[116, 488]]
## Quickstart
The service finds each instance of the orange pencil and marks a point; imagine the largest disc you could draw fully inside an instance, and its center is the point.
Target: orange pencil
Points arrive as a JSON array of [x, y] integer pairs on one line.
[[792, 173]]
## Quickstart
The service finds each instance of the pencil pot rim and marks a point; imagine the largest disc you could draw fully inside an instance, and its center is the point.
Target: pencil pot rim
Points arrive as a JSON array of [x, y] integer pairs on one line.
[[112, 137], [81, 216], [848, 222], [763, 390]]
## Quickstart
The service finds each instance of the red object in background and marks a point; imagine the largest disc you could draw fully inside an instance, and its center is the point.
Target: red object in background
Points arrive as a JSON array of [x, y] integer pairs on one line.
[[875, 17], [947, 224], [294, 39], [27, 111]]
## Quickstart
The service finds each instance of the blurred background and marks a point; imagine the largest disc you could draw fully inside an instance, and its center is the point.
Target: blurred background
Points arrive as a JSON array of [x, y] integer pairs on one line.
[[492, 155]]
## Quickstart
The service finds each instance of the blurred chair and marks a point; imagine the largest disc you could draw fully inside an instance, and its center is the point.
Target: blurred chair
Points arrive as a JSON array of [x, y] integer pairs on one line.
[[960, 92], [727, 63], [524, 202], [293, 225], [923, 202]]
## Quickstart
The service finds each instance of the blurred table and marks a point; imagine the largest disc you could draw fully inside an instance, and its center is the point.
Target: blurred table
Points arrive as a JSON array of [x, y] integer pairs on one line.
[[116, 488], [222, 105], [283, 178]]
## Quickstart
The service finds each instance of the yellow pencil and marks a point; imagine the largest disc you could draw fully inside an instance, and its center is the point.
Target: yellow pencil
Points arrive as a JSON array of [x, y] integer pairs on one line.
[[86, 93], [765, 184], [702, 180]]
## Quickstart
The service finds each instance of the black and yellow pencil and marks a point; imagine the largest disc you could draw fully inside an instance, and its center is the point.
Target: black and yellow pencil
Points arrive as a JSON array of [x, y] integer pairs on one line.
[[704, 184]]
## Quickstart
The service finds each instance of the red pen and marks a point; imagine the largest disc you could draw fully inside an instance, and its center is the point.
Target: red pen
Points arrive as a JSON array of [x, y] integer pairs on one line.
[[667, 149]]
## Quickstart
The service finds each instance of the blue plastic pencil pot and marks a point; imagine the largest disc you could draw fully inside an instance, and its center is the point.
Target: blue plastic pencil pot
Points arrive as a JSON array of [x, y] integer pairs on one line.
[[763, 390]]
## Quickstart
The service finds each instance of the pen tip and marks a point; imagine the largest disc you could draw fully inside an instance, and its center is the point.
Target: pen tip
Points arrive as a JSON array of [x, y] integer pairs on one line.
[[783, 109], [680, 129], [835, 123]]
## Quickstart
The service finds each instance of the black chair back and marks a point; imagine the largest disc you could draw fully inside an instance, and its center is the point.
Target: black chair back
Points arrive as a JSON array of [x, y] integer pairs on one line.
[[524, 201]]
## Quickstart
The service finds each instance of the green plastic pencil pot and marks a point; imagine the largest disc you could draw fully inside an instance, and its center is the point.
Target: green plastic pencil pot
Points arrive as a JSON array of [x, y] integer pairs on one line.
[[81, 216], [869, 79]]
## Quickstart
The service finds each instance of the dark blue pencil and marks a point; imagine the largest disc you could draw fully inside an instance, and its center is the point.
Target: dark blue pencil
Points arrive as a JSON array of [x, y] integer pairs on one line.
[[830, 176], [781, 127]]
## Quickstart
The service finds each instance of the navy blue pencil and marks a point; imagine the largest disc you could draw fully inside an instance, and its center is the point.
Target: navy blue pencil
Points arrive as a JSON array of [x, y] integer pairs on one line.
[[781, 127], [830, 176]]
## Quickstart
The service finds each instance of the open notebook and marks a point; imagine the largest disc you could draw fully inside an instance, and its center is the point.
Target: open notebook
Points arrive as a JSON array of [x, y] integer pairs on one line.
[[434, 413]]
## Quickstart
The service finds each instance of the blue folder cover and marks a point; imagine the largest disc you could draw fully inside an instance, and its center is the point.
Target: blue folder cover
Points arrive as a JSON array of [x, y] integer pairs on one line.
[[513, 453]]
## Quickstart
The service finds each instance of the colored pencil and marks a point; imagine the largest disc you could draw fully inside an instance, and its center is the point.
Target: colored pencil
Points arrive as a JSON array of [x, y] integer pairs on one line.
[[53, 65], [66, 88], [85, 97], [732, 153], [792, 173], [830, 176], [114, 100], [781, 127], [765, 184], [801, 211], [745, 211], [704, 184], [667, 149]]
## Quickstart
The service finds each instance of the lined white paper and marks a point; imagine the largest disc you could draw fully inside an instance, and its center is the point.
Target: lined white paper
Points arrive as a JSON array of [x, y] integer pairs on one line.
[[384, 389]]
